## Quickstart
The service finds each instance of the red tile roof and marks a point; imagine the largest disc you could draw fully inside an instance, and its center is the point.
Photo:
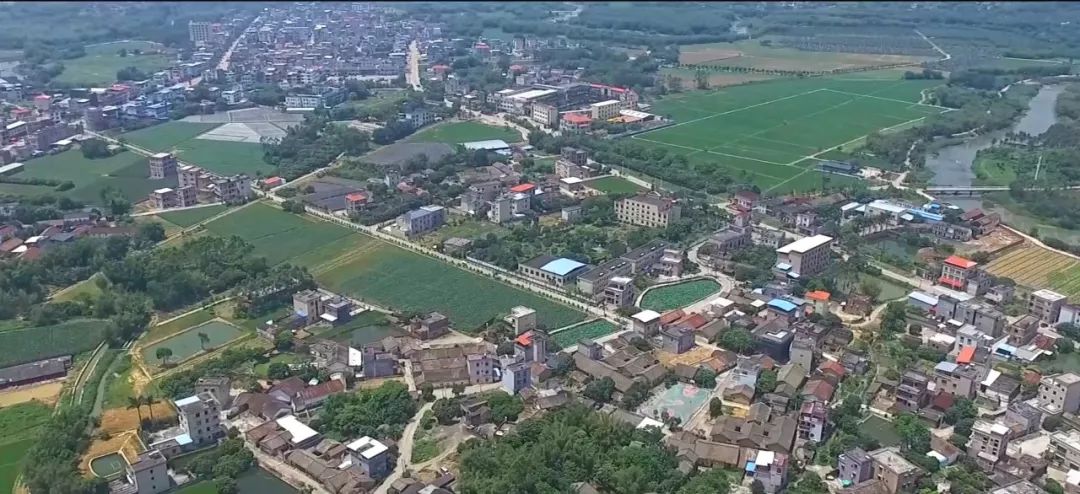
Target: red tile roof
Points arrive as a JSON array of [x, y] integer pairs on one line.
[[522, 188], [576, 118], [672, 316], [960, 262], [694, 321], [834, 368], [356, 197], [10, 244], [818, 295], [966, 355], [524, 339], [943, 401], [820, 389]]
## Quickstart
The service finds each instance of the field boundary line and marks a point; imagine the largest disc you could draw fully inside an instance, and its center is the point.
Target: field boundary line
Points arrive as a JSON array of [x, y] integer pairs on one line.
[[695, 150], [739, 109], [913, 103]]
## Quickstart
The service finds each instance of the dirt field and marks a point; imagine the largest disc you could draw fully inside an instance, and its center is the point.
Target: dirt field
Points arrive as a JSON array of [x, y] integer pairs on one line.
[[753, 54], [693, 357], [706, 53], [127, 441], [119, 420], [716, 79], [46, 393], [995, 241]]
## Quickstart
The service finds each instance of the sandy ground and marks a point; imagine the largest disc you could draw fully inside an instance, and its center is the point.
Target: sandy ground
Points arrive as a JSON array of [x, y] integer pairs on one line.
[[46, 393], [117, 420], [695, 356], [707, 55], [998, 239]]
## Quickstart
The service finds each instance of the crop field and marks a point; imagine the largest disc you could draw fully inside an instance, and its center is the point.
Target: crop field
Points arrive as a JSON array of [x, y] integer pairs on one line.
[[182, 139], [613, 185], [126, 171], [189, 217], [688, 77], [101, 62], [593, 329], [373, 270], [280, 236], [67, 338], [18, 425], [752, 53], [186, 344], [679, 295], [1036, 267], [772, 132], [461, 132]]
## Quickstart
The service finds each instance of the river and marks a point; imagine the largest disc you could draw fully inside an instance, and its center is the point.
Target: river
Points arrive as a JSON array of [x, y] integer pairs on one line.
[[952, 164]]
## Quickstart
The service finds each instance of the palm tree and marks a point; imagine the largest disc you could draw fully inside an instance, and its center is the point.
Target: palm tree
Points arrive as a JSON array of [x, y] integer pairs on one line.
[[150, 400], [203, 340], [163, 354], [135, 403]]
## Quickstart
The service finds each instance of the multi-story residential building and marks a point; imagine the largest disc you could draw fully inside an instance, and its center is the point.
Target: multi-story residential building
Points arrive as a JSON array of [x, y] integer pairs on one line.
[[199, 32], [1023, 330], [218, 387], [1060, 394], [620, 292], [355, 203], [593, 283], [167, 198], [802, 351], [677, 339], [647, 322], [959, 380], [545, 114], [988, 443], [1064, 450], [233, 190], [307, 304], [648, 210], [372, 456], [481, 368], [1046, 305], [420, 221], [605, 110], [813, 416], [162, 165], [955, 272], [774, 339], [911, 394], [522, 319], [655, 257], [515, 376], [200, 416], [804, 257], [188, 176], [855, 467], [148, 474], [895, 473]]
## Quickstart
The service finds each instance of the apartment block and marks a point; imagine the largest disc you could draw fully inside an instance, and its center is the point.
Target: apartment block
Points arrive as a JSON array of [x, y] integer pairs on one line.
[[648, 210], [804, 257], [895, 473], [200, 416], [162, 165], [420, 221], [957, 379], [1060, 394], [233, 190], [955, 272], [911, 394], [988, 443], [620, 292], [1046, 305]]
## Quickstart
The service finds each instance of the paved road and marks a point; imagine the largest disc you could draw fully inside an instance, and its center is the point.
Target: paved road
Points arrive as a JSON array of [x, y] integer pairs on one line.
[[412, 74]]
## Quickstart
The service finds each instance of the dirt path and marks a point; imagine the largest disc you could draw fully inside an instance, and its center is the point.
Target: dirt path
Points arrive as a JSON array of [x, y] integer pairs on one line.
[[404, 450]]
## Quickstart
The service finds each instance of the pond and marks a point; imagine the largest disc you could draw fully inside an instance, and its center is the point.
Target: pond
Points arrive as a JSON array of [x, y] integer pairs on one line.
[[108, 466]]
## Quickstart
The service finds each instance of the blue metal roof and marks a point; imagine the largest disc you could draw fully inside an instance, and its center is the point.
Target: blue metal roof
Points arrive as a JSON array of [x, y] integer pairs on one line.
[[561, 266], [782, 304]]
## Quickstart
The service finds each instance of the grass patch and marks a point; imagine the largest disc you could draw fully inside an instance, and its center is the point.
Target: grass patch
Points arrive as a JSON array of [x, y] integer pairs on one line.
[[10, 456], [613, 185], [87, 288], [462, 132], [119, 387], [591, 330], [187, 344], [275, 234], [18, 426], [67, 338], [284, 358], [224, 157], [164, 137], [190, 217], [101, 63], [463, 228], [679, 295], [751, 53], [425, 449], [882, 430]]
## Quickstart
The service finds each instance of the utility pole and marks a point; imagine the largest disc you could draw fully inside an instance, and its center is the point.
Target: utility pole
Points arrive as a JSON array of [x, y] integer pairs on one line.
[[1038, 165]]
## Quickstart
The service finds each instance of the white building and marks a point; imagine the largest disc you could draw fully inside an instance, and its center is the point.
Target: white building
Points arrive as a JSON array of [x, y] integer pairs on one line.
[[804, 257]]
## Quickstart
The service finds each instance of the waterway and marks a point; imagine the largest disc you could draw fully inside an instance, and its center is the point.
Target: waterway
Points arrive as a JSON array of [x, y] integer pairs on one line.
[[952, 164], [259, 481]]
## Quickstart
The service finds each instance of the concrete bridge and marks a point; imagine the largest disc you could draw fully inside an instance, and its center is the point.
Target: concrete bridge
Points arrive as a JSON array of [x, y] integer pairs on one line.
[[974, 190]]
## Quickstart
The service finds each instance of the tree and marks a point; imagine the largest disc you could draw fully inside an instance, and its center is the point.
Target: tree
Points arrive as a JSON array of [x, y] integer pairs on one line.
[[283, 341], [705, 378], [225, 485], [738, 340], [716, 407], [1065, 345], [756, 487], [95, 148], [504, 407], [600, 390], [163, 354], [714, 481], [870, 288], [766, 382], [135, 403], [914, 433], [1053, 487], [894, 319], [149, 400], [427, 392], [204, 339], [1052, 423], [446, 411], [458, 389], [278, 370]]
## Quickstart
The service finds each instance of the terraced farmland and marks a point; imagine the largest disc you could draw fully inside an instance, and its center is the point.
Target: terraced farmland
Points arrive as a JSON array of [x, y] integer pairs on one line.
[[1036, 267]]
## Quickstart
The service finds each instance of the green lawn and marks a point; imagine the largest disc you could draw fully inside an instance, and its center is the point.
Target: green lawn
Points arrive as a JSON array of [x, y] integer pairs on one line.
[[189, 217], [199, 487], [67, 338], [86, 288], [677, 296], [591, 330], [613, 185], [462, 132], [187, 344], [10, 456], [99, 66], [18, 426], [166, 136], [127, 171], [284, 358], [469, 228], [765, 132], [882, 430]]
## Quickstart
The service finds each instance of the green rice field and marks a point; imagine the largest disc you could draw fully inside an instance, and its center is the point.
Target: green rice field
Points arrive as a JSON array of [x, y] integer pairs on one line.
[[379, 272], [128, 171], [101, 63], [591, 330], [613, 185], [180, 138], [190, 217], [18, 426], [679, 295], [66, 338], [186, 344], [771, 132], [462, 132]]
